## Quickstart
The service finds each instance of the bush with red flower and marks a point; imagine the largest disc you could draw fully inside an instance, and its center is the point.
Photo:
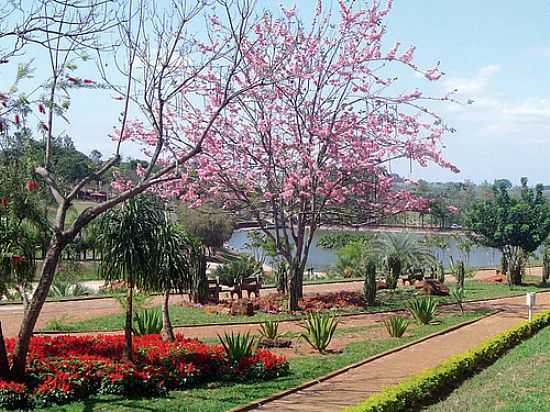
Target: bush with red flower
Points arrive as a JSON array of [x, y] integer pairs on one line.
[[66, 368]]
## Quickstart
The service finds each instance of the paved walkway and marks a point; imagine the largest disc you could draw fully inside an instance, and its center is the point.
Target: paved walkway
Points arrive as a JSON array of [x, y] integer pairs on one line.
[[359, 383]]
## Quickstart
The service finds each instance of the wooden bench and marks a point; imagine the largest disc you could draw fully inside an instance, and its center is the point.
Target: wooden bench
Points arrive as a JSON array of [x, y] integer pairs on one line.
[[250, 285]]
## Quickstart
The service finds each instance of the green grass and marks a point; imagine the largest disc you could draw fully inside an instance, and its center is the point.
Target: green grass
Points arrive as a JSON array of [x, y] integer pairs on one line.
[[518, 382], [388, 300], [220, 397], [178, 314]]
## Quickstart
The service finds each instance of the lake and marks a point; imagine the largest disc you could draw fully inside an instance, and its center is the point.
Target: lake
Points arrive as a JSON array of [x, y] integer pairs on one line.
[[321, 259]]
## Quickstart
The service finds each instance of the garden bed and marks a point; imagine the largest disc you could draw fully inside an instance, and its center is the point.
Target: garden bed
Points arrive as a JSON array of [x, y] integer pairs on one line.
[[221, 396], [67, 368]]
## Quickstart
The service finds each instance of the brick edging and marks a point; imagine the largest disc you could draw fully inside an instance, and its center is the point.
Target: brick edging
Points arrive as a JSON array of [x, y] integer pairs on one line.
[[263, 401]]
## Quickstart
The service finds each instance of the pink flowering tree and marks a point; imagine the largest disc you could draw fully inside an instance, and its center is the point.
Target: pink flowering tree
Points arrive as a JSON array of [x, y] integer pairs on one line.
[[313, 148], [179, 82]]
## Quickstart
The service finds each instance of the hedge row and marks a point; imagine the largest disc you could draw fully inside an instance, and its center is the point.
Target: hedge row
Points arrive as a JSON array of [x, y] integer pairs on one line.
[[430, 385]]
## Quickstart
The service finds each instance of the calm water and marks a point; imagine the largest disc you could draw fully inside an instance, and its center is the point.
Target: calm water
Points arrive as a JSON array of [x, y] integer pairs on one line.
[[321, 259]]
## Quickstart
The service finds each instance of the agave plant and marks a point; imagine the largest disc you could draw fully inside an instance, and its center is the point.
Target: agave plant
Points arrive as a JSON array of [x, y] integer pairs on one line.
[[458, 296], [147, 322], [238, 346], [396, 326], [61, 289], [319, 330], [422, 309], [270, 329]]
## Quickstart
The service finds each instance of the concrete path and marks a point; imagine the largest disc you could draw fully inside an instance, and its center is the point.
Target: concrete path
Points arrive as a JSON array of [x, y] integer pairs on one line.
[[359, 383]]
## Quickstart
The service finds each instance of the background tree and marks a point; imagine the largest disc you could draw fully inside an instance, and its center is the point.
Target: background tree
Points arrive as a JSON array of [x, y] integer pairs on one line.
[[211, 225], [313, 149], [514, 225], [129, 248], [172, 268]]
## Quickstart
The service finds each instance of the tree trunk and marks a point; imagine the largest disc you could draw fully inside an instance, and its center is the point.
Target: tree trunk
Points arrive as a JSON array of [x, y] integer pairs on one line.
[[296, 273], [167, 331], [200, 292], [4, 364], [31, 314], [127, 351]]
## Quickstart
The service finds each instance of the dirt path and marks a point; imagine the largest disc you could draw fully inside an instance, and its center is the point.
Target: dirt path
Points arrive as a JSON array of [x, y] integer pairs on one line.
[[359, 383], [11, 315]]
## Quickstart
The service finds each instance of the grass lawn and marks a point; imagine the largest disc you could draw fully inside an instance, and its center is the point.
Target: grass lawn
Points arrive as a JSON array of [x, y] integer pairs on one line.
[[518, 382], [192, 316], [220, 397]]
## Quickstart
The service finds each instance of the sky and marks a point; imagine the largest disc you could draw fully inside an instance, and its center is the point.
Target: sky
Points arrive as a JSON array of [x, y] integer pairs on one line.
[[495, 52]]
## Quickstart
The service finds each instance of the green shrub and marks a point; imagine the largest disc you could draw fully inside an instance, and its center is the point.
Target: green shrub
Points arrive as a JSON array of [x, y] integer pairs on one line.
[[319, 330], [422, 309], [231, 273], [396, 326], [270, 329], [238, 346], [147, 322], [430, 385]]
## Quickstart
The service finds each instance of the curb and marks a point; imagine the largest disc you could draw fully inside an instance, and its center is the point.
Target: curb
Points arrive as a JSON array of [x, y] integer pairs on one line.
[[296, 319], [263, 401]]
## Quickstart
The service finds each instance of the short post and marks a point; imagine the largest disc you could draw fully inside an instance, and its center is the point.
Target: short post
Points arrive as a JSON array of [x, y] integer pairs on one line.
[[530, 301]]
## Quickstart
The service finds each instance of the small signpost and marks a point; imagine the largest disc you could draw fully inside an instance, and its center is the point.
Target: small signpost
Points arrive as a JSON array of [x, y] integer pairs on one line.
[[530, 301]]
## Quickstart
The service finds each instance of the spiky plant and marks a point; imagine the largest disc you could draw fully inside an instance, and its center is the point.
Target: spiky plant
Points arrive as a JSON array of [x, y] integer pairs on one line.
[[319, 330], [396, 326]]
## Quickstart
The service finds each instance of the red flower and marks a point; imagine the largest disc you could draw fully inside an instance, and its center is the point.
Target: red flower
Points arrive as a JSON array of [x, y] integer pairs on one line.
[[88, 81], [17, 120], [4, 201], [41, 108], [72, 79], [31, 185]]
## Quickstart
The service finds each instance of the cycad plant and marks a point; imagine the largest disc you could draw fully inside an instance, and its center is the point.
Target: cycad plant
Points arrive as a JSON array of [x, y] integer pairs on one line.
[[398, 252], [396, 326], [233, 272], [319, 330], [422, 309]]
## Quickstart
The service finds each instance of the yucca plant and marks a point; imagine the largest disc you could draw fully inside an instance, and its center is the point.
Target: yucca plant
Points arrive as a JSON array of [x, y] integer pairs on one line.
[[147, 322], [319, 330], [269, 329], [422, 309], [396, 326], [238, 346]]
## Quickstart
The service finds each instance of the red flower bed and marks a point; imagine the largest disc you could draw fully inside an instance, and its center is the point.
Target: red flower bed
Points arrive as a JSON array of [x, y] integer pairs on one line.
[[66, 368], [274, 303]]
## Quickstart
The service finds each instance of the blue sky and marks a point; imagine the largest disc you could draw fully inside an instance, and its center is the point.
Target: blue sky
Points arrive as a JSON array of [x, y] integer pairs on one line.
[[496, 52]]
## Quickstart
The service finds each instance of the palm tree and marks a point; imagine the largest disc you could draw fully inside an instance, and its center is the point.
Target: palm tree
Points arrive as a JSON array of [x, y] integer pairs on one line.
[[174, 266], [129, 244], [398, 252]]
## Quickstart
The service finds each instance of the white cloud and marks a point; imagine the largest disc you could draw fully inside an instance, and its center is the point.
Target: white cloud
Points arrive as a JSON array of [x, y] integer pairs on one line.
[[473, 86]]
